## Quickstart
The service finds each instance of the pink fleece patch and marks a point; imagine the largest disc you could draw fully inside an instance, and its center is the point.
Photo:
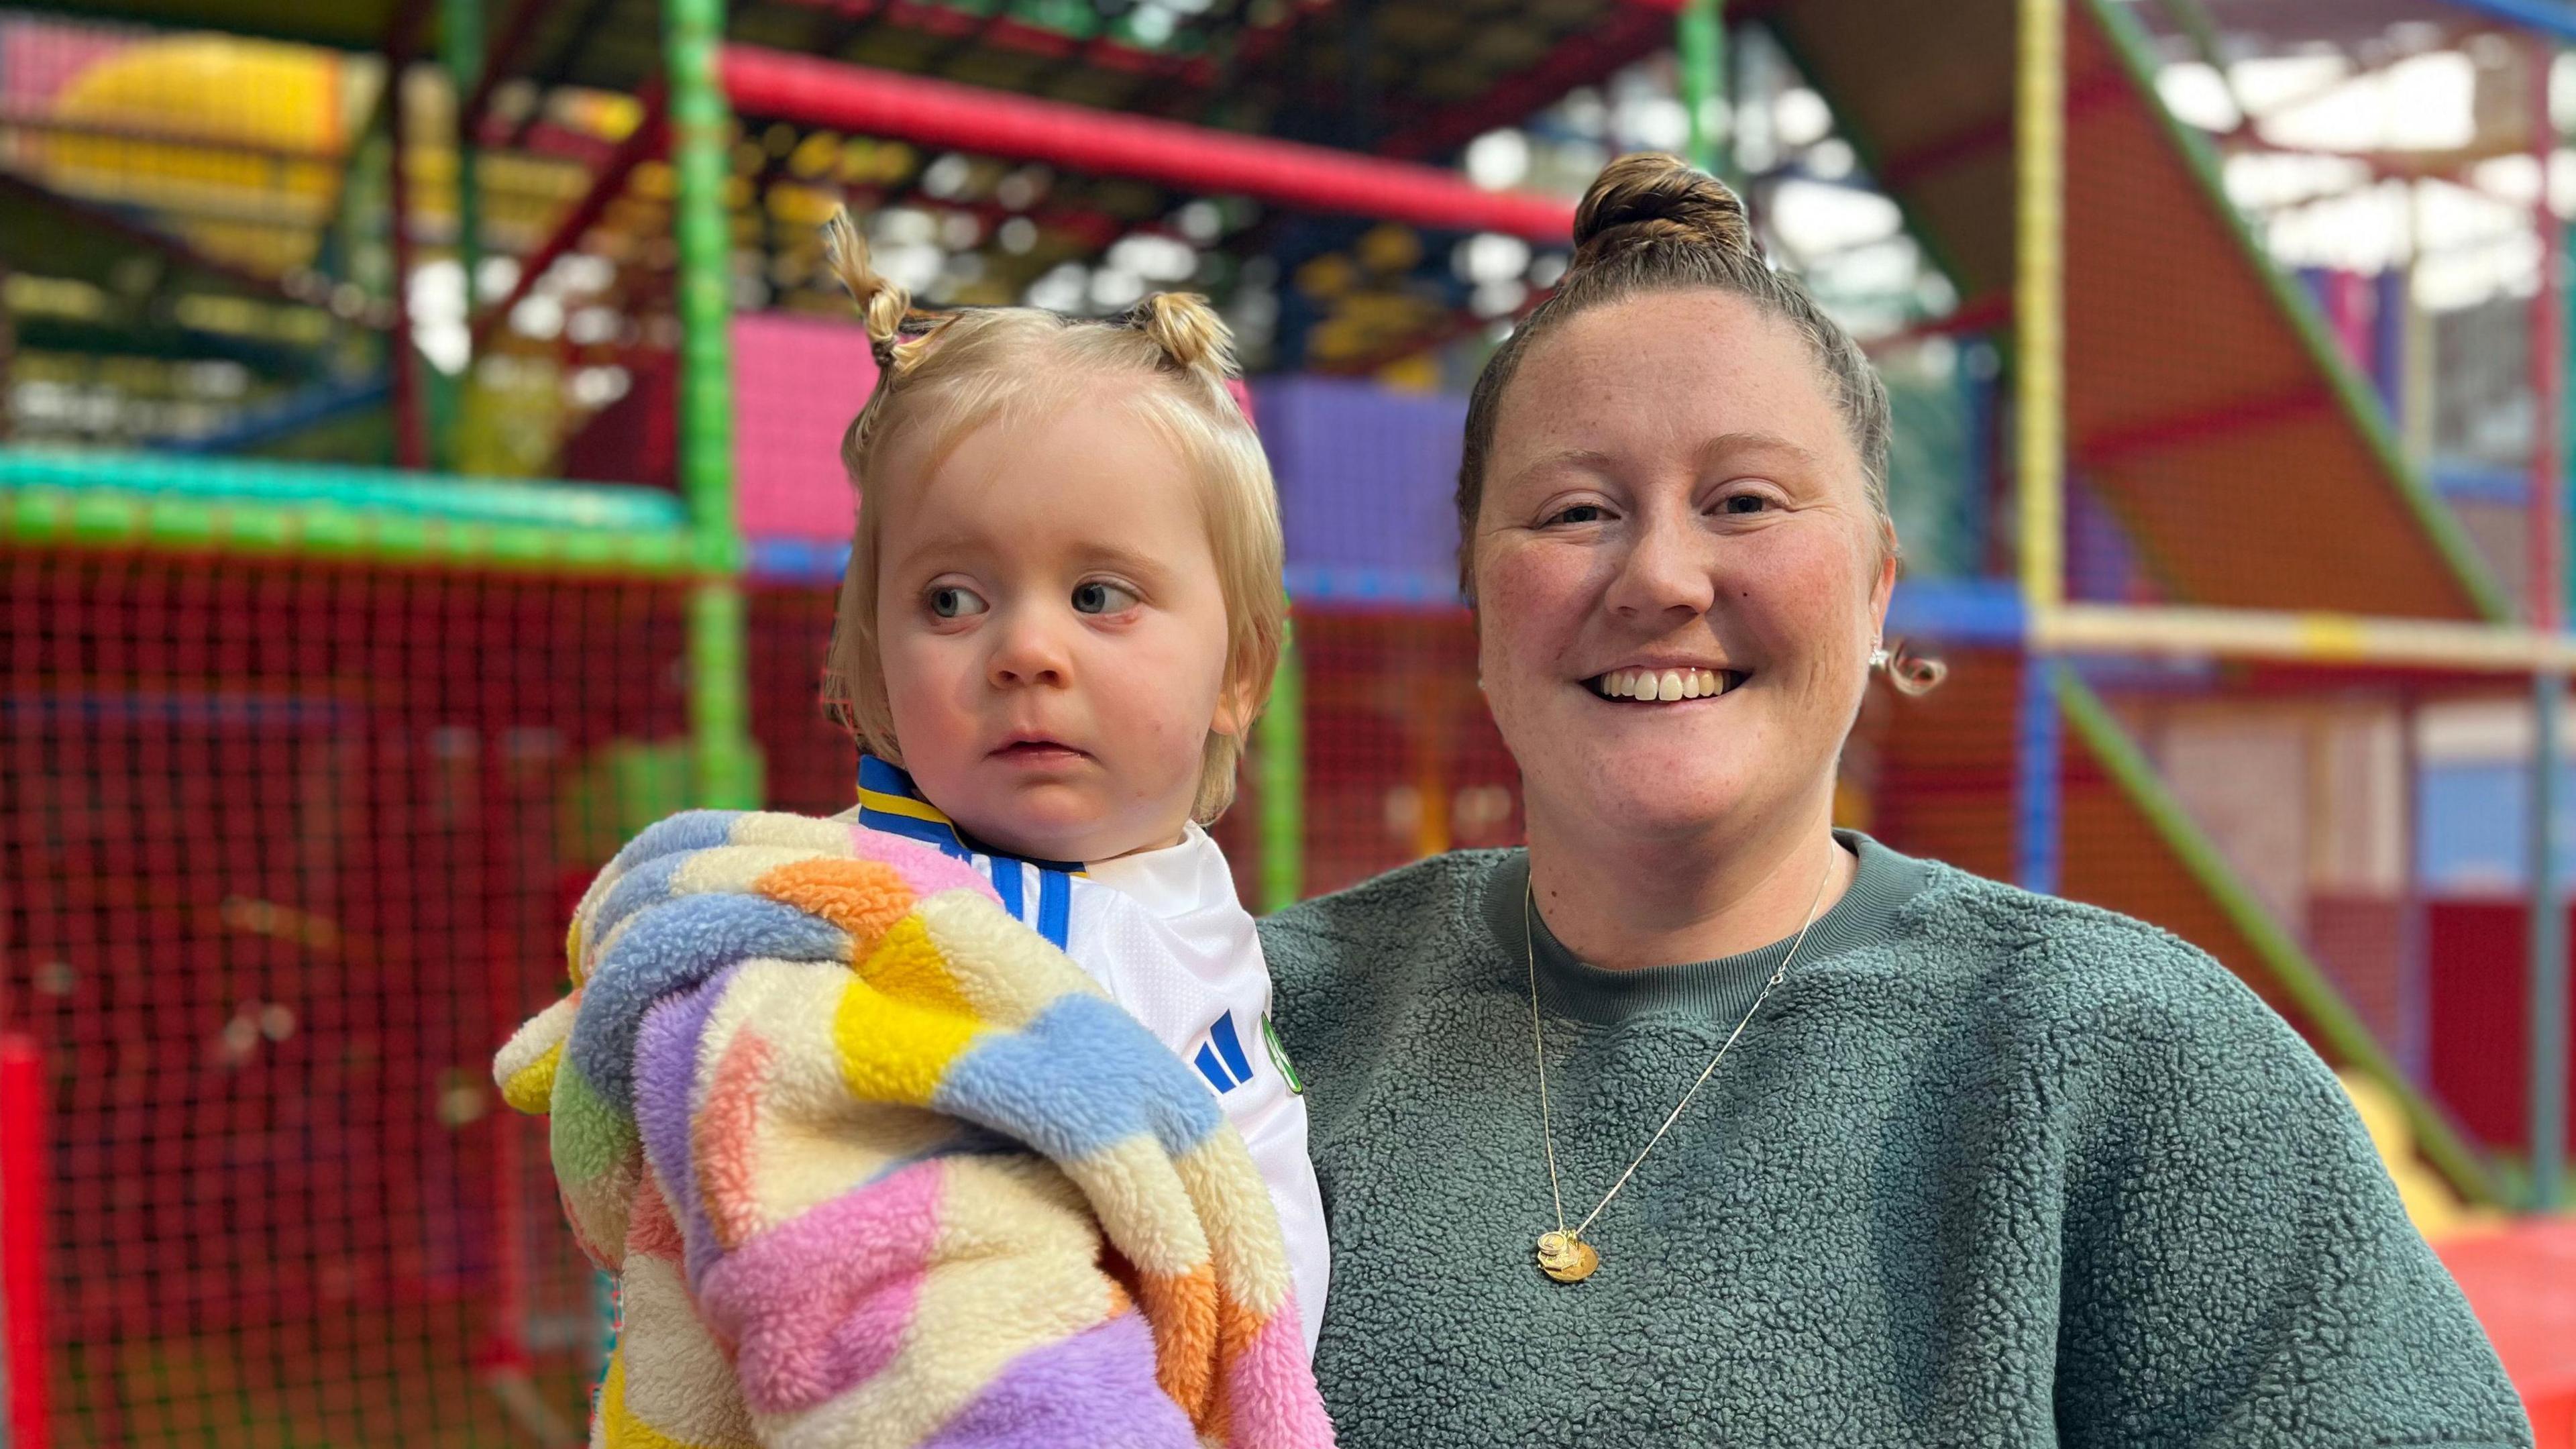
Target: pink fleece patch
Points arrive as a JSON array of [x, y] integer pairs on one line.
[[1270, 1396], [820, 1304], [725, 1137], [926, 871], [650, 1230]]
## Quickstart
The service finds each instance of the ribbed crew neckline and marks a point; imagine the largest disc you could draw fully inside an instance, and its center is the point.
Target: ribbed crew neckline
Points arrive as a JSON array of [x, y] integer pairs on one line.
[[1722, 989]]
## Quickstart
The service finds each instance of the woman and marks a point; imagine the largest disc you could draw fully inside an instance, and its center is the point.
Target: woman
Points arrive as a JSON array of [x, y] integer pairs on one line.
[[1899, 1155]]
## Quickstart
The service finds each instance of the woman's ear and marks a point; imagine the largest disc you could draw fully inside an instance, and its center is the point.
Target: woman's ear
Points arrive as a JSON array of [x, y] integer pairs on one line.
[[1883, 588]]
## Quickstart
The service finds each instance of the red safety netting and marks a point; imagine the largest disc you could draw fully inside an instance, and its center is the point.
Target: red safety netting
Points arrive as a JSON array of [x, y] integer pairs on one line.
[[289, 849], [1401, 759]]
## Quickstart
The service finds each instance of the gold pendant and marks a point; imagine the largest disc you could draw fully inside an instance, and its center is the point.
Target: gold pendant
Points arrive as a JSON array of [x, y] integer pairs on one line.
[[1565, 1257]]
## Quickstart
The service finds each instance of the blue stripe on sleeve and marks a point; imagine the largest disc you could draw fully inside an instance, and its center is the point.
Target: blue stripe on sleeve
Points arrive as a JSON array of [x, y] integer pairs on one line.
[[1209, 1069], [1230, 1047]]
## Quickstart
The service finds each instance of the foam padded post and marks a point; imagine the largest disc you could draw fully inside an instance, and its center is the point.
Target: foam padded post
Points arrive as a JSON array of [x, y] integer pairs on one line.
[[22, 1238]]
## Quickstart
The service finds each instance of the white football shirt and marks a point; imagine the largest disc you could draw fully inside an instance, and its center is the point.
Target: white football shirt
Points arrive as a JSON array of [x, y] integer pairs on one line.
[[1164, 933]]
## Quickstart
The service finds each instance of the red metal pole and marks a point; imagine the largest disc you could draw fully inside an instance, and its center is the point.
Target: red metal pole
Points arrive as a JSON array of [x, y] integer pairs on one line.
[[498, 62], [1106, 143], [649, 140], [2546, 992], [22, 1237]]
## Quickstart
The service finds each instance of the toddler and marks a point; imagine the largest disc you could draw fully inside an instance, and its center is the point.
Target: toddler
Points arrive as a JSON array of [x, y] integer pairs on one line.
[[1061, 616], [838, 1120]]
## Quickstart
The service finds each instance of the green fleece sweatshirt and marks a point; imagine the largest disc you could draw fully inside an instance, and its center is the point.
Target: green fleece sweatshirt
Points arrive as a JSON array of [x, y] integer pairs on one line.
[[1988, 1169]]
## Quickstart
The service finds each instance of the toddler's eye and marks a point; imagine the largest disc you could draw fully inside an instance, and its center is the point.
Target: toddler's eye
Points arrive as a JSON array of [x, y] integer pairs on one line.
[[1100, 598], [953, 602]]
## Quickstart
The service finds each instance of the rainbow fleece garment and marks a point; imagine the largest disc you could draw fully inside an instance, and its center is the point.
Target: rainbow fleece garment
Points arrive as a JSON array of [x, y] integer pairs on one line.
[[853, 1138]]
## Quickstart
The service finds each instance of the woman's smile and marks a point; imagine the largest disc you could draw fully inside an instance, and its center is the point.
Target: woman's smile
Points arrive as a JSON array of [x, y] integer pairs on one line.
[[1651, 685]]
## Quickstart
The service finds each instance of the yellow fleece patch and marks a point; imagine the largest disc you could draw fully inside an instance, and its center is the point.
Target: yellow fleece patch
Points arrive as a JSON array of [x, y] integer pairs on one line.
[[531, 1089], [907, 965], [618, 1427], [893, 1050]]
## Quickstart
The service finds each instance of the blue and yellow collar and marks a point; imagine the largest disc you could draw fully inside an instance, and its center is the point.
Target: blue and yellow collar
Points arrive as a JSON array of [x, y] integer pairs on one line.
[[889, 801]]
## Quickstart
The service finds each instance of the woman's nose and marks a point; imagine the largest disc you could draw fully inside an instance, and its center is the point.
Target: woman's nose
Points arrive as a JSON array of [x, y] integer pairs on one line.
[[1666, 570], [1027, 650]]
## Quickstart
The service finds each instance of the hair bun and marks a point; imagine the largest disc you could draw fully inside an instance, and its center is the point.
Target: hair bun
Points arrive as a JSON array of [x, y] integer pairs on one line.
[[1652, 199], [883, 306], [1187, 330]]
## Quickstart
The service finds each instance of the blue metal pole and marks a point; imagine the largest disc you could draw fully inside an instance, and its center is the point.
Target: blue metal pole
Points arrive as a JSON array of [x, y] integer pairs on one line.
[[2039, 748]]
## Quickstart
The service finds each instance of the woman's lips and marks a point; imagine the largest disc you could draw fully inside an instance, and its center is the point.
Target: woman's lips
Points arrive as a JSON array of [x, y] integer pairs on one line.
[[1645, 686]]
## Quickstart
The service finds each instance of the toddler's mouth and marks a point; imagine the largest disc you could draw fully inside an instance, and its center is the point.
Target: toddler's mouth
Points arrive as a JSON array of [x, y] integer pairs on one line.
[[1035, 749]]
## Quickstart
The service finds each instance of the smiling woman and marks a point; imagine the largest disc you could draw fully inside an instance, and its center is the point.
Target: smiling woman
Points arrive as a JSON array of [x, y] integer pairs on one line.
[[1701, 1122]]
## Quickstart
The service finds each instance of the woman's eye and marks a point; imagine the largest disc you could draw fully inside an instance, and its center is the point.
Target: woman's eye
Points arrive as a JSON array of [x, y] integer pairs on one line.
[[1100, 598], [1580, 513], [956, 603], [1744, 503]]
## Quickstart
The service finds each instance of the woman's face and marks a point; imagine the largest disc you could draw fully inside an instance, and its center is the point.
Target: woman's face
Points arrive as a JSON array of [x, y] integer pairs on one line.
[[1671, 500]]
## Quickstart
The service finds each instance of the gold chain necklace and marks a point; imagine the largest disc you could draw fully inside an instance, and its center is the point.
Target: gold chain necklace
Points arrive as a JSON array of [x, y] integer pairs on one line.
[[1564, 1255]]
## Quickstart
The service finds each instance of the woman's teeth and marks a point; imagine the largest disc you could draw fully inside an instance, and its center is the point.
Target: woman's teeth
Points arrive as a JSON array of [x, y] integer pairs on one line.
[[1662, 684]]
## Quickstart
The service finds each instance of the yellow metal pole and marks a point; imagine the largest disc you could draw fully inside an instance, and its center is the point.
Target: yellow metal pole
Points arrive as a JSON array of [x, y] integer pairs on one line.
[[2039, 272], [2189, 631], [2039, 145]]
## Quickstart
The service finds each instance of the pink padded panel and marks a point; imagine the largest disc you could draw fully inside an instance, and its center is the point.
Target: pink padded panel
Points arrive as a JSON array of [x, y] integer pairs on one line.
[[797, 383]]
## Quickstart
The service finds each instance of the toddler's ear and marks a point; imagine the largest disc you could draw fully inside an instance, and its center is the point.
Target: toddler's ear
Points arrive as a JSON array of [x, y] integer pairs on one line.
[[1238, 705]]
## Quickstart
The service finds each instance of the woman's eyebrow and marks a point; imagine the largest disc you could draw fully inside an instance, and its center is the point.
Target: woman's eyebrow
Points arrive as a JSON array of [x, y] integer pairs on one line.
[[1738, 444], [1588, 460]]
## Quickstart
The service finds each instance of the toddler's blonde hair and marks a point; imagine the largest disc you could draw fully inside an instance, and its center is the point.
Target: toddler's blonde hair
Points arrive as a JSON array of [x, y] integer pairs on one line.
[[941, 376]]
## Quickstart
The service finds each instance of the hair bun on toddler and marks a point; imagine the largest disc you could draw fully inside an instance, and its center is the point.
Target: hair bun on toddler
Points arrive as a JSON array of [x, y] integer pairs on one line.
[[1188, 331], [883, 304], [1653, 200]]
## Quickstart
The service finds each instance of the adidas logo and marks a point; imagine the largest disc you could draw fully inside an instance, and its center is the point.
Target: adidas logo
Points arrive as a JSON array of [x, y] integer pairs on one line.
[[1220, 1058]]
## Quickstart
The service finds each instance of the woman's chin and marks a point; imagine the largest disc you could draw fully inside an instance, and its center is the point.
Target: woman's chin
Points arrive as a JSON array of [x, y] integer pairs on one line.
[[1660, 792]]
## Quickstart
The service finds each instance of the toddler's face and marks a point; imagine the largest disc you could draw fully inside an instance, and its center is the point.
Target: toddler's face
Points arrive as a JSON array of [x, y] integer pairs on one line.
[[1053, 633]]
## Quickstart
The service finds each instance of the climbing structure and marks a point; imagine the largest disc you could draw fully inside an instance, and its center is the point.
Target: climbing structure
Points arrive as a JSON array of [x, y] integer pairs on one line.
[[322, 690]]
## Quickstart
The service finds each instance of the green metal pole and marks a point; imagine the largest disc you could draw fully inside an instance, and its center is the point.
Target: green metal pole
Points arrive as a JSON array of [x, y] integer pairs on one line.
[[460, 52], [2342, 1037], [726, 767], [1279, 749], [1700, 39], [2550, 993]]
